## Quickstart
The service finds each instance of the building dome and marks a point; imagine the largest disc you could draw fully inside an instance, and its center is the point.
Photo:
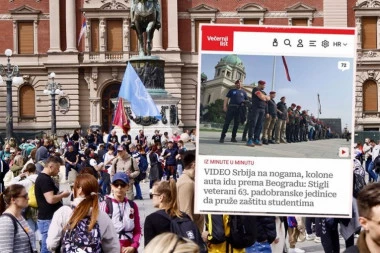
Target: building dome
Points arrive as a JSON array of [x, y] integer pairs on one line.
[[232, 60], [203, 77]]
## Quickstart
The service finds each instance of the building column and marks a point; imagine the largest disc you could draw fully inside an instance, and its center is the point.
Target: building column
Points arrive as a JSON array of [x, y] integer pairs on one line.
[[71, 26], [193, 35], [157, 38], [172, 26], [55, 38], [95, 112], [359, 32], [35, 36]]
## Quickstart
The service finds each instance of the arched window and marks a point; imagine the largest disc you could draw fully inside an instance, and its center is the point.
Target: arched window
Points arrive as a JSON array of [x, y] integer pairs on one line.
[[27, 102], [370, 96]]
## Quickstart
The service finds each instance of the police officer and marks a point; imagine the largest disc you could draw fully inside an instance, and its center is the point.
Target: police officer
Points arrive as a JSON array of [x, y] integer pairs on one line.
[[233, 101], [258, 114]]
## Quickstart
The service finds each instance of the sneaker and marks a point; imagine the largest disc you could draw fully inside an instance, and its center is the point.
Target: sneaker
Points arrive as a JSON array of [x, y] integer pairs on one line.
[[310, 237], [295, 250], [257, 142], [265, 141], [233, 140], [244, 139], [250, 143], [317, 239], [221, 140]]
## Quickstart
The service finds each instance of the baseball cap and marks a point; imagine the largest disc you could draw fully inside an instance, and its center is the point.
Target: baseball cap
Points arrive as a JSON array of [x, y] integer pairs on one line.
[[120, 176]]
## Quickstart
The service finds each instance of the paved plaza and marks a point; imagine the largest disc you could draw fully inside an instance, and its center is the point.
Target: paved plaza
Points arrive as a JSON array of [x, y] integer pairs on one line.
[[329, 148]]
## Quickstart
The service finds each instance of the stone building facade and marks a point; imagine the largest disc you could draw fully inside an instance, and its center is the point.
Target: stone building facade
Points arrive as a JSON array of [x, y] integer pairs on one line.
[[367, 22], [43, 36]]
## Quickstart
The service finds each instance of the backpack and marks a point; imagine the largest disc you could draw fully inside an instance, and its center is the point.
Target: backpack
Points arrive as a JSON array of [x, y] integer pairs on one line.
[[243, 231], [109, 211], [80, 239], [185, 228], [32, 201], [217, 233], [109, 206], [359, 178]]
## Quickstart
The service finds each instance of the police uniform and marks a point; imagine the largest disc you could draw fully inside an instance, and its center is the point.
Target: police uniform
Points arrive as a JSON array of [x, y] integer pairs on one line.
[[237, 98], [257, 116]]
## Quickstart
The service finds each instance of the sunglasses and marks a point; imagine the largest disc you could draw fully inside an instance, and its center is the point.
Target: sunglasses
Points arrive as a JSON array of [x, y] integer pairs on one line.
[[155, 194], [25, 196], [117, 184]]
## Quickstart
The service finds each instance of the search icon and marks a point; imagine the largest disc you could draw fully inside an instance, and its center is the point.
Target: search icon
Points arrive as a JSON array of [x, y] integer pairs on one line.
[[287, 42]]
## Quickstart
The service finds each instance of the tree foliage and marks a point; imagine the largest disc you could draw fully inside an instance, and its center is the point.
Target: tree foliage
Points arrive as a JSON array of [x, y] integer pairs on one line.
[[214, 112]]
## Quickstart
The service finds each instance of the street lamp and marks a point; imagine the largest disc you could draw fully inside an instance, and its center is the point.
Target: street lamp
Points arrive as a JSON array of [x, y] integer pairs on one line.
[[52, 89], [11, 77]]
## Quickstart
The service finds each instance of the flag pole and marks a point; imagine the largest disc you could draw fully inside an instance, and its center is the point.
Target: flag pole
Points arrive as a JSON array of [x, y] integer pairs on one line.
[[273, 72], [318, 105]]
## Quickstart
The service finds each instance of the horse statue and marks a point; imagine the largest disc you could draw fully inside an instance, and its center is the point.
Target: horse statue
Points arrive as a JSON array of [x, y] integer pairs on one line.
[[145, 18]]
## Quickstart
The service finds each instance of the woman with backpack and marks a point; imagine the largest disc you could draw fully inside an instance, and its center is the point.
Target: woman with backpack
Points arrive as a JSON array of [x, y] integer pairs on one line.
[[169, 218], [28, 180], [82, 226], [15, 234]]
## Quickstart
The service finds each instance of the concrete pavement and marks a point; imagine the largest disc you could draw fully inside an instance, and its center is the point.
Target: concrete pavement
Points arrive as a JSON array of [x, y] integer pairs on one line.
[[329, 148]]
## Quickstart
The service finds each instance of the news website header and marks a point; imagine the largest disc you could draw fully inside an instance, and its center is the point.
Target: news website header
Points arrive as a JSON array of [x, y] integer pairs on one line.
[[287, 41]]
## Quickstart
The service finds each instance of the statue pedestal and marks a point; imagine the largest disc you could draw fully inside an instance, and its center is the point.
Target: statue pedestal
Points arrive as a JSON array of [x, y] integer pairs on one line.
[[151, 72]]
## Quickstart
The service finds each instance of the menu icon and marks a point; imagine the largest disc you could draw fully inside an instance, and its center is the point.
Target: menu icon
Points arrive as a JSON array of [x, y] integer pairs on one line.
[[312, 43]]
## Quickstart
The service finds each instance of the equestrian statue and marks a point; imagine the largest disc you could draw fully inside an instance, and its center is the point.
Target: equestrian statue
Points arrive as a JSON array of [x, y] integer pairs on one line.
[[145, 18]]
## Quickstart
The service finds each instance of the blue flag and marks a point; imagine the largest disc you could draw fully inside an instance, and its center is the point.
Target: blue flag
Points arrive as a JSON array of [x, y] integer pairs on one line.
[[133, 90]]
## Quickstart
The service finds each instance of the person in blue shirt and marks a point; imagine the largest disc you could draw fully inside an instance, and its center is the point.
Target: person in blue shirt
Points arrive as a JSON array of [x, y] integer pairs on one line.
[[234, 99]]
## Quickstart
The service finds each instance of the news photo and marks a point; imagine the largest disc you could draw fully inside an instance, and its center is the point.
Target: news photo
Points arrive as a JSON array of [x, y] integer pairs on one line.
[[275, 117]]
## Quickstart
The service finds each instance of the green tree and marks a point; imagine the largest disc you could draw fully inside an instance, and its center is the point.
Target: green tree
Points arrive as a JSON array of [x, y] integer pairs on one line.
[[215, 112]]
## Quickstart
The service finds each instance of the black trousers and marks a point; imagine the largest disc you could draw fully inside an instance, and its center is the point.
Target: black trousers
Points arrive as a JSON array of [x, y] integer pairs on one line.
[[289, 132], [330, 236], [233, 113]]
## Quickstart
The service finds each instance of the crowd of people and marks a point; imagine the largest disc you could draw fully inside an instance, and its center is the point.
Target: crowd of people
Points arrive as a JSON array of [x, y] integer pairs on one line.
[[104, 173], [268, 122], [103, 214]]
